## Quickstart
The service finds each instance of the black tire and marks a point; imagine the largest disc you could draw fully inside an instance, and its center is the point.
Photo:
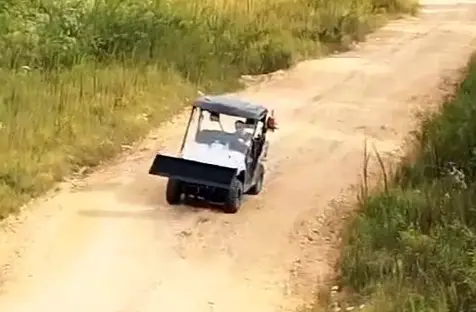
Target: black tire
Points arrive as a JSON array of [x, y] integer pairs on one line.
[[173, 193], [256, 189], [234, 197]]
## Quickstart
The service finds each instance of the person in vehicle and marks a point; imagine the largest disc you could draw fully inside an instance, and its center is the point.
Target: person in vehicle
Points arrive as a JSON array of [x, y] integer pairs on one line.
[[243, 131]]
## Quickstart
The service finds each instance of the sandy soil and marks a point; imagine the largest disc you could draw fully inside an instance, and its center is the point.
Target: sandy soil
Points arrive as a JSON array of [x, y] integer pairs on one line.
[[109, 243]]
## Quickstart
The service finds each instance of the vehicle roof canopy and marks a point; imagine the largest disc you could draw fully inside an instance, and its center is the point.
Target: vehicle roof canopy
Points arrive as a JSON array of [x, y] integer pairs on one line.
[[233, 106]]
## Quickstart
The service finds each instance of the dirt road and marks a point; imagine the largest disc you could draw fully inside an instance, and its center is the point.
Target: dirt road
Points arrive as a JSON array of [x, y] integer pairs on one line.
[[109, 243]]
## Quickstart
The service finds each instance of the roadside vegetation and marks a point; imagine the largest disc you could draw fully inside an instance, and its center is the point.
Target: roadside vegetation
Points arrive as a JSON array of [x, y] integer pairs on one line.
[[79, 79], [413, 247]]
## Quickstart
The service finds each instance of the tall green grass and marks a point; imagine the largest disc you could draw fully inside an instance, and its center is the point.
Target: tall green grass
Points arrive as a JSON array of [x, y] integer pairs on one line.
[[79, 78], [413, 248]]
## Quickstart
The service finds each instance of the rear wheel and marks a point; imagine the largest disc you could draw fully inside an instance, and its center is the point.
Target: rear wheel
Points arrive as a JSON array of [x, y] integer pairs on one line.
[[234, 197], [173, 192], [256, 189]]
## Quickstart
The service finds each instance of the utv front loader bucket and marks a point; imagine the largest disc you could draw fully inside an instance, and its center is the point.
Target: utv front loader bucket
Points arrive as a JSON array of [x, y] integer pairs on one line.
[[192, 171]]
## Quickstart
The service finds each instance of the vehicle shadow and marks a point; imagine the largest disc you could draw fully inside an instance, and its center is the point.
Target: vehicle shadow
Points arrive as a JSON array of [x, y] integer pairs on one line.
[[116, 214], [189, 205], [196, 204]]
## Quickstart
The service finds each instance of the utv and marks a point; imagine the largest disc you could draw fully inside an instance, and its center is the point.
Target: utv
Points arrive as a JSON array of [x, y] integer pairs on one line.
[[222, 153]]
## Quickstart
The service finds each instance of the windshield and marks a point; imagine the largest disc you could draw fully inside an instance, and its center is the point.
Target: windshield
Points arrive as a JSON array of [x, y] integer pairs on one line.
[[222, 129]]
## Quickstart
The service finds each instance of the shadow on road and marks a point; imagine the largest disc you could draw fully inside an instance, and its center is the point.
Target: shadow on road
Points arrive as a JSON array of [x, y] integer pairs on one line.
[[188, 206], [94, 213]]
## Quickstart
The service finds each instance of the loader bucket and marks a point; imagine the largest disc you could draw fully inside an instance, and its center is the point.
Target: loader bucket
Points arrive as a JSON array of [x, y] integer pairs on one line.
[[192, 171]]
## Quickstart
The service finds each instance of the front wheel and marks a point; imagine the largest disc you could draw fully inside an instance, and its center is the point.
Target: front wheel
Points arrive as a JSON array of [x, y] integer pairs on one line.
[[174, 192], [256, 189], [234, 197]]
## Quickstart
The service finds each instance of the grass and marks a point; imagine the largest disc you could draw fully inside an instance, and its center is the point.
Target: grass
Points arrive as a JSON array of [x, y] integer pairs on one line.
[[413, 246], [80, 78]]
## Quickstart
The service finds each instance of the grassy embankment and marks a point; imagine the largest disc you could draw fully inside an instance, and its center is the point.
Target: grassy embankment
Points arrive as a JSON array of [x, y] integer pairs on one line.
[[80, 78], [413, 247]]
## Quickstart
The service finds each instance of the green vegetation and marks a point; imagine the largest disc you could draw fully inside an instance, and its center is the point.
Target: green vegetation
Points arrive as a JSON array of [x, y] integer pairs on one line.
[[412, 248], [80, 78]]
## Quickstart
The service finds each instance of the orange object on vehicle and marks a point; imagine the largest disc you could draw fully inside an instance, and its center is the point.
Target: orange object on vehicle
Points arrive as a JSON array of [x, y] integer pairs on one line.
[[271, 124]]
